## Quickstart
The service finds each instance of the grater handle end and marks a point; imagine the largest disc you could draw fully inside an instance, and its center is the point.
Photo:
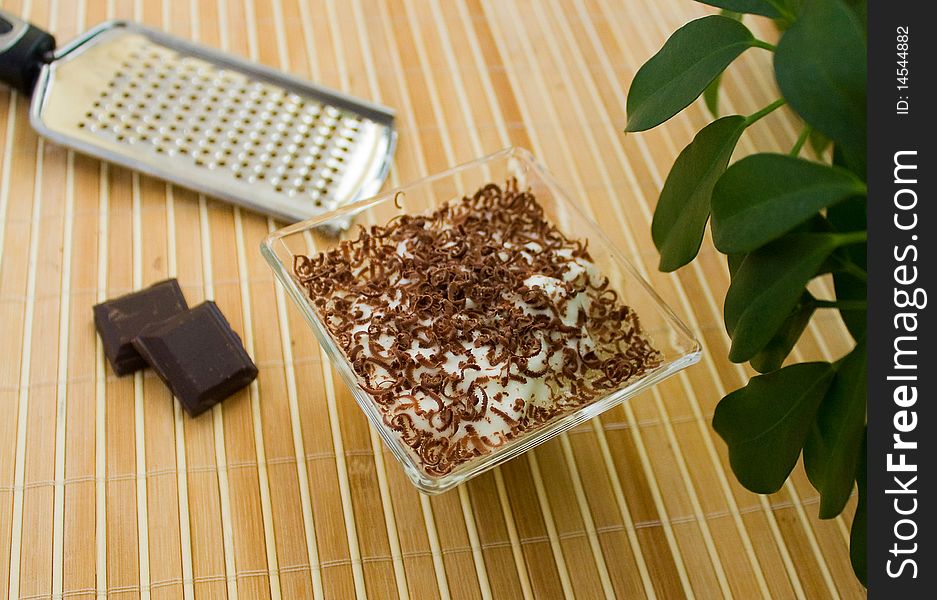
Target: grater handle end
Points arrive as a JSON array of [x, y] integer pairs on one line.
[[24, 48]]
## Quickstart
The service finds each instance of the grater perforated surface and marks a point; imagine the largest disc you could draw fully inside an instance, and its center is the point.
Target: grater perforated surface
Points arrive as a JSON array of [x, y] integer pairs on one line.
[[219, 119], [214, 124]]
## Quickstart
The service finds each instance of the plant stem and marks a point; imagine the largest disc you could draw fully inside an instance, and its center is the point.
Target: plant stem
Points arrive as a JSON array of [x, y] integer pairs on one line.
[[842, 304], [801, 140], [764, 111], [853, 237], [762, 44], [847, 266]]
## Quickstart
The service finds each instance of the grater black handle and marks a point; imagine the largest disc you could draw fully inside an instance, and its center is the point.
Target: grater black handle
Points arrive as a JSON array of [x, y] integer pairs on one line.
[[24, 48]]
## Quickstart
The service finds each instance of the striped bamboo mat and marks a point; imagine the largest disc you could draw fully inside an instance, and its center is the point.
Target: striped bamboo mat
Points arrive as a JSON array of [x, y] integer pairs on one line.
[[284, 491]]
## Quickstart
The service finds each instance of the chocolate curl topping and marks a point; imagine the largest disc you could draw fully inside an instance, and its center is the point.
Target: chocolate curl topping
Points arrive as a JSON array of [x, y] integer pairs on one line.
[[435, 311]]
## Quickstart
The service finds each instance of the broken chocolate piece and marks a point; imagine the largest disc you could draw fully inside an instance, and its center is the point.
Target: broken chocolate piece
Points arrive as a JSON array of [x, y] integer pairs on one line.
[[198, 356], [119, 320]]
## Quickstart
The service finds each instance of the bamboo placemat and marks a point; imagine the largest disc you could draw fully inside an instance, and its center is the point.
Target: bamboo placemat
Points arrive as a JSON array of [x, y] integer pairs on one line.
[[284, 491]]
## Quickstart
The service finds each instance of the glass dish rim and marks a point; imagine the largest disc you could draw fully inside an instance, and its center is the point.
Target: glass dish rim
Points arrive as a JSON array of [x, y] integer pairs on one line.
[[478, 465]]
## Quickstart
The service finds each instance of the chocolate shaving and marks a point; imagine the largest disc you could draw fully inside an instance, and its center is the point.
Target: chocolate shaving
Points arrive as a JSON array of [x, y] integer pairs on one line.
[[474, 324]]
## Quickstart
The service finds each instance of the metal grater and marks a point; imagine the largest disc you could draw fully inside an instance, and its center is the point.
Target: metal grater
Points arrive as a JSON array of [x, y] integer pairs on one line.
[[200, 118]]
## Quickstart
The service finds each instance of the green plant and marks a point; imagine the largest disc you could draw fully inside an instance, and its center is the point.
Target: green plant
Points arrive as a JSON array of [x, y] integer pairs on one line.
[[781, 220]]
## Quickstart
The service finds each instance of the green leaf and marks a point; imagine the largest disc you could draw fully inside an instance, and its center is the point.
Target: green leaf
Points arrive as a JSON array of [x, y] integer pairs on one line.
[[815, 225], [683, 209], [772, 356], [674, 77], [850, 158], [831, 455], [818, 142], [763, 196], [711, 93], [820, 67], [848, 287], [734, 261], [791, 6], [857, 537], [765, 8], [847, 216], [861, 8], [765, 424], [711, 96], [850, 216], [768, 285]]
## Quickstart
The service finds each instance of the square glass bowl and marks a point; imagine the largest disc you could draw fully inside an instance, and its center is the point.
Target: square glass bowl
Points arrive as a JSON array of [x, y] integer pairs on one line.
[[666, 332]]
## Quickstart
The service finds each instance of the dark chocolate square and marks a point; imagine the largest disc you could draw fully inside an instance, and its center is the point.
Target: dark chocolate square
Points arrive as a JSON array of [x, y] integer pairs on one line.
[[198, 356], [119, 320]]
